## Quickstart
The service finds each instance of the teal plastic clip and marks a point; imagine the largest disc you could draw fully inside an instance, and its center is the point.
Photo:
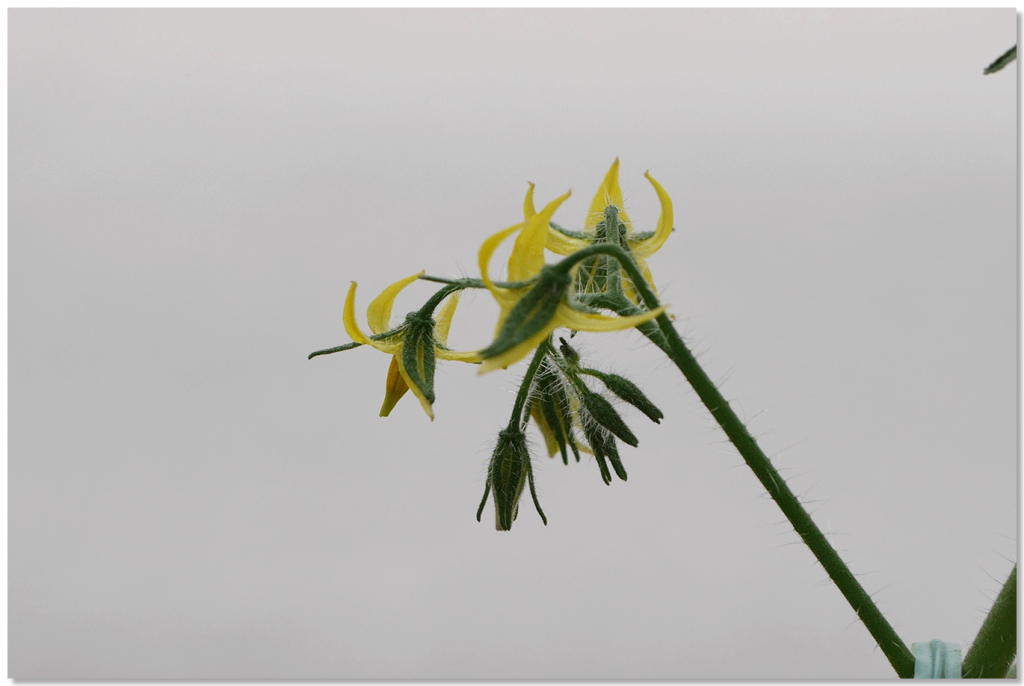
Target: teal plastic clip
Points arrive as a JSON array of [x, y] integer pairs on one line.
[[937, 660]]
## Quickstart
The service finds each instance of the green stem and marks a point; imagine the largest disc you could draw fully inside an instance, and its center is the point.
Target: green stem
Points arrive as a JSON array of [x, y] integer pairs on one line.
[[995, 647], [475, 283], [336, 349], [892, 646], [428, 307], [516, 420]]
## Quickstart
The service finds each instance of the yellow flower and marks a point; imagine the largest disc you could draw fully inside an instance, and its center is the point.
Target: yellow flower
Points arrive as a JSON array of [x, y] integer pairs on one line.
[[530, 313], [640, 245], [414, 345]]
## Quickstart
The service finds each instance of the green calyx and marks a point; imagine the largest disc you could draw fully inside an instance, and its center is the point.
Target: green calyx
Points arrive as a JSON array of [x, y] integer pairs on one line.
[[418, 352], [533, 312]]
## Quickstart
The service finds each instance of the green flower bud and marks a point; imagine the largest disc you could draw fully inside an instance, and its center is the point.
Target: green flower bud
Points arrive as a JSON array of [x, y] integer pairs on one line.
[[628, 391], [568, 352], [507, 474], [605, 415]]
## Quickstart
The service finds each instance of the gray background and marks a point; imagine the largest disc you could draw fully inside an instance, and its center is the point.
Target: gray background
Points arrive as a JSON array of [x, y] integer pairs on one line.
[[191, 192]]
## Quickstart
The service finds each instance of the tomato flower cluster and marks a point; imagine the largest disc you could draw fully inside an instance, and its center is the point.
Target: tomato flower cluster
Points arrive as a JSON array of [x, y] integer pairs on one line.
[[604, 269]]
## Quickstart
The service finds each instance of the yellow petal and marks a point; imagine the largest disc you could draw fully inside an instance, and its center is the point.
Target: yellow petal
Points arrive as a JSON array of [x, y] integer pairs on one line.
[[560, 244], [457, 356], [414, 388], [608, 193], [644, 249], [528, 253], [545, 429], [528, 209], [444, 322], [394, 388], [351, 326], [444, 319], [486, 250], [585, 321], [378, 314]]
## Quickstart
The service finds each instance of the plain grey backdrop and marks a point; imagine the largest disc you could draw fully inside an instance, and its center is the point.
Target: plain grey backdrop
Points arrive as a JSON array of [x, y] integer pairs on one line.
[[191, 192]]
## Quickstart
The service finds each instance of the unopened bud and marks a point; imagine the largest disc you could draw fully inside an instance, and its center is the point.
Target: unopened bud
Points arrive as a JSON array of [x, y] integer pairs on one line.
[[605, 415], [630, 392], [507, 474]]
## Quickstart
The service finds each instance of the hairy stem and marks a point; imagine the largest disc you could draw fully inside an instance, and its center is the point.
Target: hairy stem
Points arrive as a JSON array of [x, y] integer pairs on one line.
[[995, 647], [892, 646], [516, 420]]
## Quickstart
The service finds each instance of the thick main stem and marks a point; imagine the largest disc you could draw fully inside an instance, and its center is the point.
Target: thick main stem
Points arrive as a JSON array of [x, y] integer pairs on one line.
[[996, 645], [892, 645]]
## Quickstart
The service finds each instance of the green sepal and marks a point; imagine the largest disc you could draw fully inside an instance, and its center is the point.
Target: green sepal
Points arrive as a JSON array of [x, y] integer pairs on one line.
[[605, 415], [568, 352], [613, 456], [628, 391], [533, 312], [596, 440], [603, 444], [547, 387], [533, 494], [418, 353], [557, 409], [483, 501], [578, 235]]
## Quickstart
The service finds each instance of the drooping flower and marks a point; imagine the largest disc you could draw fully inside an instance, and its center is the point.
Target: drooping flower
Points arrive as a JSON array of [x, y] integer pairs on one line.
[[608, 208], [414, 345], [529, 313]]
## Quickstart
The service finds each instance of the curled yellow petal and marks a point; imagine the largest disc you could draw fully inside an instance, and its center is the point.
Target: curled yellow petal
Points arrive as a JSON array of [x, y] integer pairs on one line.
[[644, 249], [444, 319], [585, 321], [351, 326], [378, 314], [528, 252], [414, 388], [528, 209], [560, 244], [394, 388], [502, 295], [441, 328]]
